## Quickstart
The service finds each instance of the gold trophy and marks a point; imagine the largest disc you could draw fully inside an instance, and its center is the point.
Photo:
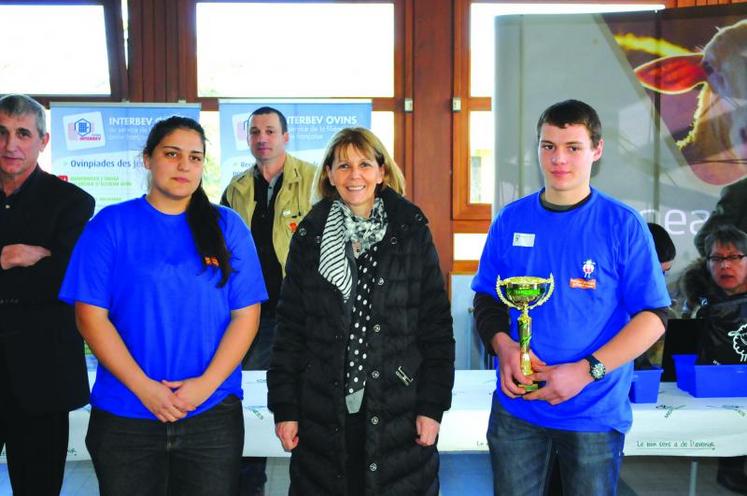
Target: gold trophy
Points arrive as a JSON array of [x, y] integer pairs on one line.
[[524, 293]]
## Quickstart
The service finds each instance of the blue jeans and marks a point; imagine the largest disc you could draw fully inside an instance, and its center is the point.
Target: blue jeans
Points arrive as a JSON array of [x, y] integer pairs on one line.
[[522, 455], [198, 455]]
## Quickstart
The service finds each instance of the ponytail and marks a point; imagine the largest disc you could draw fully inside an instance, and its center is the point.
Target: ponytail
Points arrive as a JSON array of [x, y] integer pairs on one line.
[[203, 219]]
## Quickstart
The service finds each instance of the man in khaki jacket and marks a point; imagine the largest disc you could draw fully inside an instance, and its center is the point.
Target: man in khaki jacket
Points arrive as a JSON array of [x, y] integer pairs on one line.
[[272, 197]]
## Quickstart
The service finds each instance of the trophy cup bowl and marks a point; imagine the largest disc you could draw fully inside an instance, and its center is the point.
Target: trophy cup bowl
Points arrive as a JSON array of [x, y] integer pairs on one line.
[[524, 293], [525, 290]]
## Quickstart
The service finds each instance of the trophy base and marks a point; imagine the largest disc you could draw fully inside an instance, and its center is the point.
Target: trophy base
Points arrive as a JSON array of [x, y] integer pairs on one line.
[[528, 388]]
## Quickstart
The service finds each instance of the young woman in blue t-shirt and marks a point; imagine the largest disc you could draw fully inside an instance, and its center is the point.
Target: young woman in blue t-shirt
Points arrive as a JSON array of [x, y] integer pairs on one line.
[[167, 290]]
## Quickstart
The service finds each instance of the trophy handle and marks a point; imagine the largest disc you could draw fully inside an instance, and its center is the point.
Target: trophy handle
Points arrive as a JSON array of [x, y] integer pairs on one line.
[[500, 294]]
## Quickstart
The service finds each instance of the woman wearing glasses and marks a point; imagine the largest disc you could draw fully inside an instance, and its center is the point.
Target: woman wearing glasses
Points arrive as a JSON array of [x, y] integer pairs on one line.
[[726, 310], [721, 286], [718, 283]]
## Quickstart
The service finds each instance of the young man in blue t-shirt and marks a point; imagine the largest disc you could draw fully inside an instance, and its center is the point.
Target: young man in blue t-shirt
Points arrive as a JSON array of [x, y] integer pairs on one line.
[[608, 307]]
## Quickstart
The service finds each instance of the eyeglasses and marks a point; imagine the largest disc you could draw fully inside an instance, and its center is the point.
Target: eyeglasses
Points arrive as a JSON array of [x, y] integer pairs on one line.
[[731, 258]]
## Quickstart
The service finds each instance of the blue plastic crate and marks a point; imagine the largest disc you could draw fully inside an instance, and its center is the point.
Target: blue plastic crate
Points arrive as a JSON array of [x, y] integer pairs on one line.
[[684, 369], [708, 381], [645, 386]]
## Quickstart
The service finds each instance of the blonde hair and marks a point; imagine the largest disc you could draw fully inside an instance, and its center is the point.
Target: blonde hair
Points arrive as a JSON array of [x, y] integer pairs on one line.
[[365, 142]]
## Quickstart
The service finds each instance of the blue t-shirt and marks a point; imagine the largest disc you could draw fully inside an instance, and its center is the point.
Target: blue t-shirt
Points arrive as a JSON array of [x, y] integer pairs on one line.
[[603, 261], [143, 266]]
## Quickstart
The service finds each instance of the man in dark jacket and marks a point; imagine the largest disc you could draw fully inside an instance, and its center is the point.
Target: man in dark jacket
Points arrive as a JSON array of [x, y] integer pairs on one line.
[[272, 197], [42, 368]]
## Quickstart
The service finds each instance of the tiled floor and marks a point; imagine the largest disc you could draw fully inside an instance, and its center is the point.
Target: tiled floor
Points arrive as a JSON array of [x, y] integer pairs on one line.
[[468, 475]]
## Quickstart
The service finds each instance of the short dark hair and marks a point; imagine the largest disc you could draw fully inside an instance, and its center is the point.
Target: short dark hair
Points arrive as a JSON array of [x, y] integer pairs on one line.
[[16, 105], [726, 234], [665, 250], [570, 112], [270, 110]]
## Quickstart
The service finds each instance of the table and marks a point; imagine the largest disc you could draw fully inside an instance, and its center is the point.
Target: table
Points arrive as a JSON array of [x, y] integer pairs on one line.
[[677, 425]]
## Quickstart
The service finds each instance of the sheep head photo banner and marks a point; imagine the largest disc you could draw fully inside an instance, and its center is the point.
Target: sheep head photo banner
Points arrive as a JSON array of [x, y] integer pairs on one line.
[[695, 71], [671, 91]]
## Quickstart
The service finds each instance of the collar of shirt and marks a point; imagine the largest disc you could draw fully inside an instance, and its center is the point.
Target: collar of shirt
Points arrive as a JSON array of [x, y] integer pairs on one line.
[[561, 208], [271, 186], [271, 183], [6, 199]]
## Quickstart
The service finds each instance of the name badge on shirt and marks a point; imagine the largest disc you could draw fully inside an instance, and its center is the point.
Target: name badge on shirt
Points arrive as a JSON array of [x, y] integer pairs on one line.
[[524, 239]]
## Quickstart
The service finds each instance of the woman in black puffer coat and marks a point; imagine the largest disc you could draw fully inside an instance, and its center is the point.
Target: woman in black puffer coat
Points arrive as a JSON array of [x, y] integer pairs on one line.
[[363, 357]]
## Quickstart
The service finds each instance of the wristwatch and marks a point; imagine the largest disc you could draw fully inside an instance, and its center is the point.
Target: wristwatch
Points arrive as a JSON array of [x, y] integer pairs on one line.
[[597, 370]]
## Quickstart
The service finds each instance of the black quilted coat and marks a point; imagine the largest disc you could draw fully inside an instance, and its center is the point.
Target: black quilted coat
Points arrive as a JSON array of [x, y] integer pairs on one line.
[[411, 332]]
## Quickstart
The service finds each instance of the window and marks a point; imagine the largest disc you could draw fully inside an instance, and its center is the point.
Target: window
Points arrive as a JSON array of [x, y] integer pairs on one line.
[[63, 46], [295, 50]]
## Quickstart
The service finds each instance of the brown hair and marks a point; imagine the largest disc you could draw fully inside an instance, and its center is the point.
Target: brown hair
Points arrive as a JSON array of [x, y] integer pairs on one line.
[[366, 143], [569, 112]]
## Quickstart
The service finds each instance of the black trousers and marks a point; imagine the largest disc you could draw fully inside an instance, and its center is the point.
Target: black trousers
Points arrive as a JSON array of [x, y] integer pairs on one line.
[[732, 464], [35, 444]]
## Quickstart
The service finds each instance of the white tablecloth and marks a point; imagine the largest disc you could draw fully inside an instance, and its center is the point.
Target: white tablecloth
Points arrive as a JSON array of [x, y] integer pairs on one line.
[[677, 425]]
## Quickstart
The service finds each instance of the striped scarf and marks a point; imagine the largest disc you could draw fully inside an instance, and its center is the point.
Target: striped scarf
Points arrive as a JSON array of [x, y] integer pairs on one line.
[[343, 226]]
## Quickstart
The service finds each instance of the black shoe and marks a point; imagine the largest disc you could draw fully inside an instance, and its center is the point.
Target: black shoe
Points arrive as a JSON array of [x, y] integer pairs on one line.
[[733, 481]]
